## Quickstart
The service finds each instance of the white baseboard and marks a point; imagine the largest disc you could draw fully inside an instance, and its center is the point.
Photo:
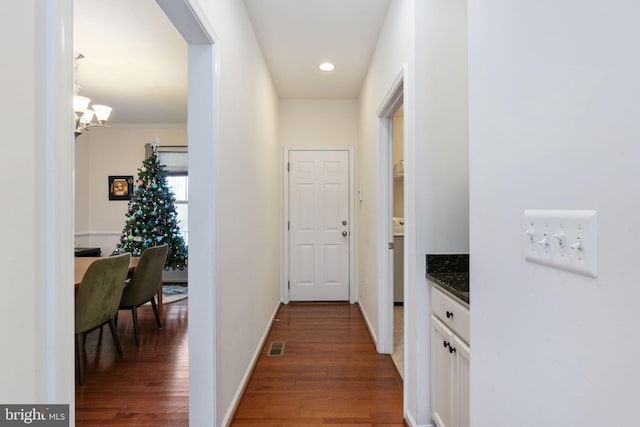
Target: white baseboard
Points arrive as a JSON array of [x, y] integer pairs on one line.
[[228, 417], [409, 419], [369, 327], [412, 422]]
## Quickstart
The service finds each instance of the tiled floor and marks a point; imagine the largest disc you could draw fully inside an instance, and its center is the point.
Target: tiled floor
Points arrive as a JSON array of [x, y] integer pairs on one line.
[[398, 338]]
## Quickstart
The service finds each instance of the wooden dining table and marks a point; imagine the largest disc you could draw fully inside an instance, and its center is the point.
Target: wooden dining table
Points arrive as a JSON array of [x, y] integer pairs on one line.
[[82, 264]]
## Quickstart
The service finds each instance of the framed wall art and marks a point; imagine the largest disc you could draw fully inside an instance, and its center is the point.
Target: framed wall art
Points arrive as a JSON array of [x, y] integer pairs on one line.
[[120, 187]]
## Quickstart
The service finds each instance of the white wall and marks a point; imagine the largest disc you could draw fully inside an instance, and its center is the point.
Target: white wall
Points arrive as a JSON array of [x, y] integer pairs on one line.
[[36, 311], [440, 165], [442, 121], [554, 110], [393, 52], [248, 198], [430, 38], [20, 174], [318, 123], [110, 151]]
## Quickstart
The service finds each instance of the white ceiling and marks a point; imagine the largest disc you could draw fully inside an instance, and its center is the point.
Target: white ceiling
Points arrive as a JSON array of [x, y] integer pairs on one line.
[[297, 35], [136, 62]]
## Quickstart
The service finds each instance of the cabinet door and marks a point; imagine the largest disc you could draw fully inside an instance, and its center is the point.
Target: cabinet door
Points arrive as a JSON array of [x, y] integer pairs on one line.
[[462, 362], [442, 375]]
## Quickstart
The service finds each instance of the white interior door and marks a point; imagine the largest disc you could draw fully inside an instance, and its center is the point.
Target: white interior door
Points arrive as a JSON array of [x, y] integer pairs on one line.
[[319, 225]]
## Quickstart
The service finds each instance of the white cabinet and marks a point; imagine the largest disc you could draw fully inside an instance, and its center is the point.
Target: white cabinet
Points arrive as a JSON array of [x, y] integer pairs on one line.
[[450, 361], [453, 314], [463, 360], [442, 367]]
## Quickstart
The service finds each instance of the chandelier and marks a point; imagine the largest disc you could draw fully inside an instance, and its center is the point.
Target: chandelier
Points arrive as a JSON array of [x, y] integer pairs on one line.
[[87, 116]]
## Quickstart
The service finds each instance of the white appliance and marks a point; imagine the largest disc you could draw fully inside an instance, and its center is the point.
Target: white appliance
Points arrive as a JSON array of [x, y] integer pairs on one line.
[[398, 260]]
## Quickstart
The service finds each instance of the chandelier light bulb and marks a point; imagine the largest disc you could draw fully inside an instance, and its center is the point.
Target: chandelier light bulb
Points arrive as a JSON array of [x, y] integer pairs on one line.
[[102, 112], [87, 116], [80, 103]]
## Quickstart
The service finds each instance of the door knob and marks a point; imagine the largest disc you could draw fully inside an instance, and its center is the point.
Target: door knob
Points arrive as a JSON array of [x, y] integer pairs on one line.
[[344, 233], [344, 222]]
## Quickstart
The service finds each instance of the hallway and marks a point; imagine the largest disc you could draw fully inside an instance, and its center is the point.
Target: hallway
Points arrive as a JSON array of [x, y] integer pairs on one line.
[[329, 373]]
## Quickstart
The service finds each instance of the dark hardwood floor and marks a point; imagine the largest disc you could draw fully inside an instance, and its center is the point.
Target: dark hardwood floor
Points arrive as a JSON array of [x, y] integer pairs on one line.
[[149, 386], [329, 374]]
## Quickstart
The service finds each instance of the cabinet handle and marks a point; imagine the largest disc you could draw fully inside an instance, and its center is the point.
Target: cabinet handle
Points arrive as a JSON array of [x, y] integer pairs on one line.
[[449, 314]]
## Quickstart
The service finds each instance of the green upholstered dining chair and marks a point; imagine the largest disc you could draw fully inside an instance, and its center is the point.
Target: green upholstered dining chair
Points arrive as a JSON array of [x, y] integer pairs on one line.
[[97, 300], [144, 284]]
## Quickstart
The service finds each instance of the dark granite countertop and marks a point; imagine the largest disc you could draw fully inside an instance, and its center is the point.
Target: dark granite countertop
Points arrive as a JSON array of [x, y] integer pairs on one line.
[[451, 273]]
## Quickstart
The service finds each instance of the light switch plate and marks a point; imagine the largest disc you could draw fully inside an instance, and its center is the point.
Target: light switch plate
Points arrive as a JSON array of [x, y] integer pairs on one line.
[[563, 239]]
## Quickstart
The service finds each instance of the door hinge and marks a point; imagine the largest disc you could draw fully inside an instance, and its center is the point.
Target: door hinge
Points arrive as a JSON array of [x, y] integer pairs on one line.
[[288, 166], [288, 225], [391, 245], [289, 284]]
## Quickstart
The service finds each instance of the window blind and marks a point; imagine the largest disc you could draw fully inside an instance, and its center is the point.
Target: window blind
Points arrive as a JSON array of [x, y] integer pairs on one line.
[[174, 158]]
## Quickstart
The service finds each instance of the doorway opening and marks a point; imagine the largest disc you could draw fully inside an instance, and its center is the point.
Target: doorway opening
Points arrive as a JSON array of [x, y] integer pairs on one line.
[[393, 104], [202, 121], [388, 206], [397, 202]]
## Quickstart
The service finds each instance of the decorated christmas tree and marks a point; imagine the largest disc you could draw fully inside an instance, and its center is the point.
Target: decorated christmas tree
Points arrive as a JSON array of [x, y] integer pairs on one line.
[[152, 217]]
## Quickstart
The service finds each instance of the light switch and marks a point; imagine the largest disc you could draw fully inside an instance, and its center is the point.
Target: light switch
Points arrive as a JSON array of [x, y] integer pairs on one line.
[[563, 239]]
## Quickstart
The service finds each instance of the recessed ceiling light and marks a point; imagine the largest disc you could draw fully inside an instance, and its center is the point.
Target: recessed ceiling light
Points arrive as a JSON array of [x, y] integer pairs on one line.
[[327, 66]]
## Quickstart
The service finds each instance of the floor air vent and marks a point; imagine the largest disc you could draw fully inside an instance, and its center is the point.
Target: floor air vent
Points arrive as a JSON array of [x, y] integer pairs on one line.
[[276, 348]]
